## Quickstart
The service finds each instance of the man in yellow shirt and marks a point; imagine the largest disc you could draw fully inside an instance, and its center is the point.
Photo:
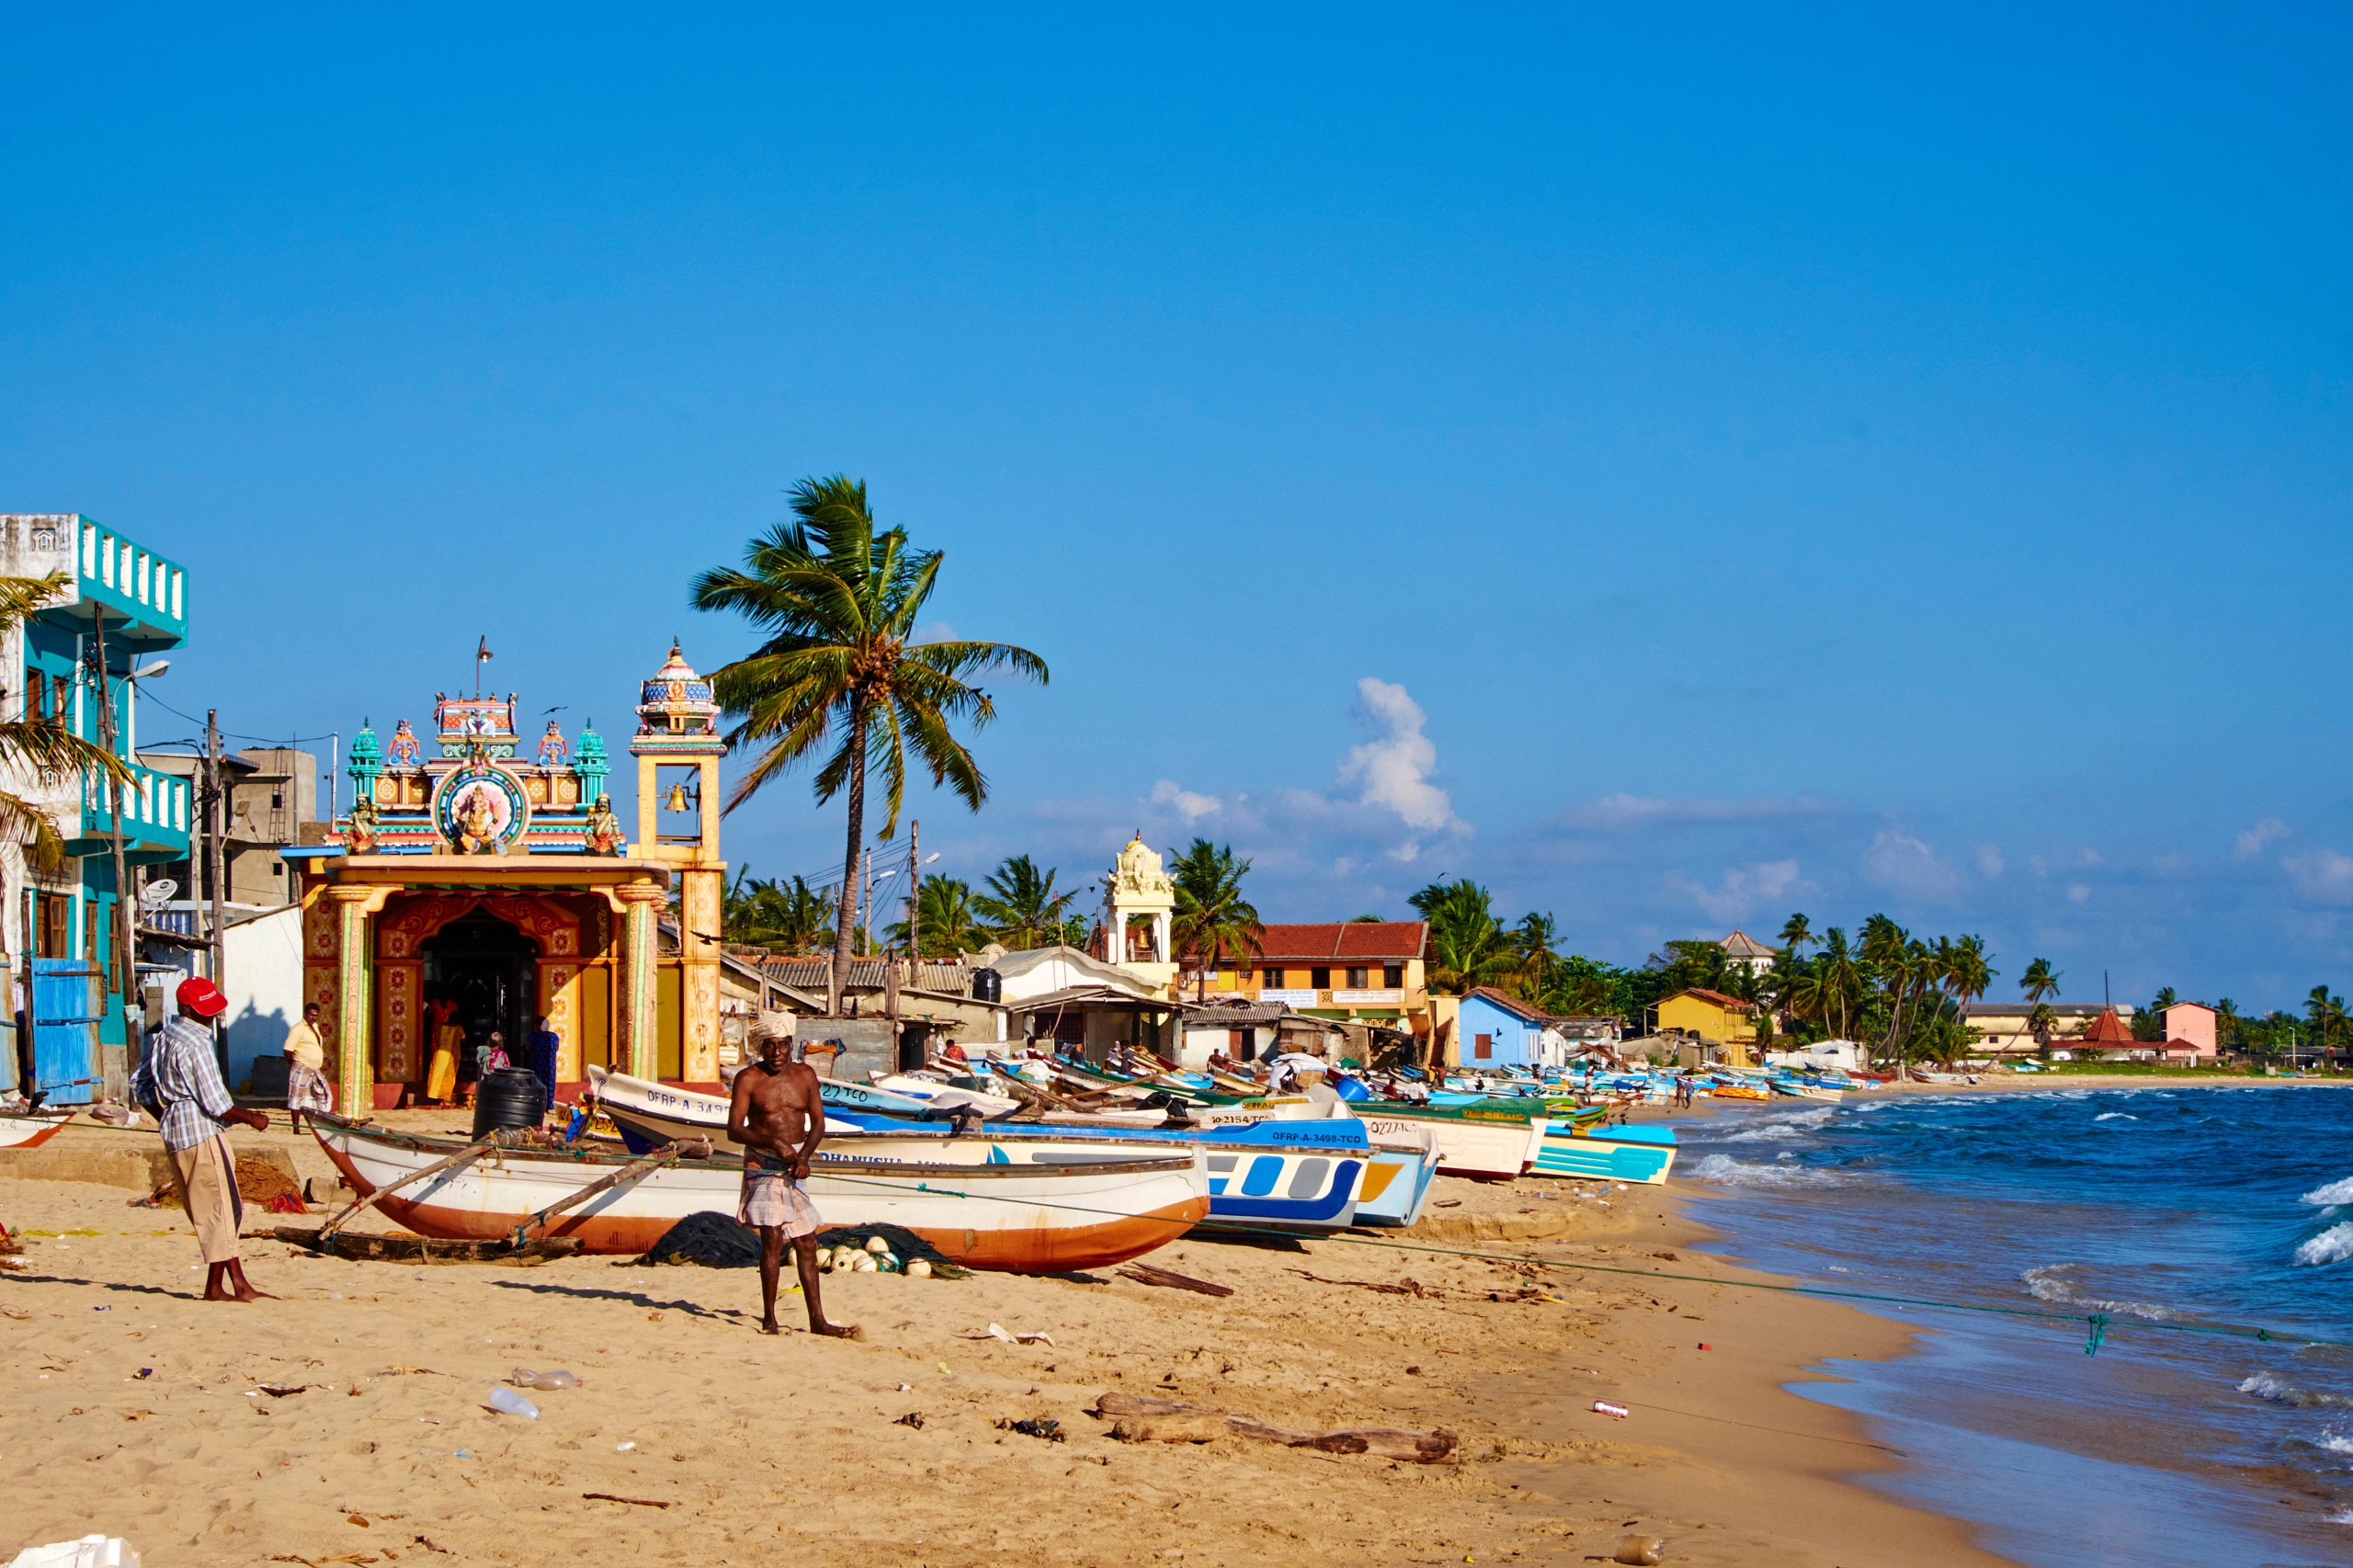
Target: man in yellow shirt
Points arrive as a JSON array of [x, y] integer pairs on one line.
[[306, 1059]]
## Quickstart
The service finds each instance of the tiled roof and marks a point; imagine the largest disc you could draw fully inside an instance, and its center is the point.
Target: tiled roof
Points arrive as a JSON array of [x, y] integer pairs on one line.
[[1338, 942], [1741, 945], [1717, 998], [2108, 1030]]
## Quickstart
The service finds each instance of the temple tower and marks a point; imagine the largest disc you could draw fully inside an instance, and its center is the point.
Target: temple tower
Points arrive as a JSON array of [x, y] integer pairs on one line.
[[677, 747], [1138, 900]]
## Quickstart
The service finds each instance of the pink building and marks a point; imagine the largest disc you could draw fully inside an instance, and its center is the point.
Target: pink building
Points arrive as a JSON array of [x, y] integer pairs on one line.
[[2189, 1035]]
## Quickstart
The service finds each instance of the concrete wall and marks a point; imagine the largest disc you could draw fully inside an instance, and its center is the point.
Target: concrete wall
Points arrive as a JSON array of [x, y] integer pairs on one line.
[[263, 960]]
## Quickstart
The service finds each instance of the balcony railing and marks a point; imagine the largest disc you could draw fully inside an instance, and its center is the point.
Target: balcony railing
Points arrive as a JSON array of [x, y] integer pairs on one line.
[[1303, 998], [151, 590], [154, 809]]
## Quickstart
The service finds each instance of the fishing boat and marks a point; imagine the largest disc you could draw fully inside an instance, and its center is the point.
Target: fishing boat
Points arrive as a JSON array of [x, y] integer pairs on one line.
[[1740, 1092], [1017, 1217], [1293, 1174], [1396, 1185], [30, 1130], [1470, 1140], [1641, 1153]]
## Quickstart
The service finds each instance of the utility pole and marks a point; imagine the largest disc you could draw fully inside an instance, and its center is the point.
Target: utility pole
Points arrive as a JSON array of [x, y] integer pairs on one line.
[[122, 966], [915, 890], [213, 860]]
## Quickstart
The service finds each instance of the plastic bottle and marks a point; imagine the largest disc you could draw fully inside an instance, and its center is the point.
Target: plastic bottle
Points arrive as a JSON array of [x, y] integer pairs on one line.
[[1639, 1549], [524, 1378], [507, 1402]]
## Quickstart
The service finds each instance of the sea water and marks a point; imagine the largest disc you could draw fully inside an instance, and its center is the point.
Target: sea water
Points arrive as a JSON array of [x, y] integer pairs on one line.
[[2170, 1211]]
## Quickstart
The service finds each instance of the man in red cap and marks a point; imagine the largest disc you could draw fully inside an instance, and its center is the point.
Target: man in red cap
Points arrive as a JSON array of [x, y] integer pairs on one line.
[[179, 1084]]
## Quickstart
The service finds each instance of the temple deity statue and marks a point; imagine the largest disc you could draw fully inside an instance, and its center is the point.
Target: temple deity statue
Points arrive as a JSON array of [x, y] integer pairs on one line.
[[402, 751], [477, 823], [552, 751], [359, 836], [603, 833]]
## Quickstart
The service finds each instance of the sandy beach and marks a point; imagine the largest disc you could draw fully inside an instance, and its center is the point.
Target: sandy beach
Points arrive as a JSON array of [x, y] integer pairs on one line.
[[133, 1409]]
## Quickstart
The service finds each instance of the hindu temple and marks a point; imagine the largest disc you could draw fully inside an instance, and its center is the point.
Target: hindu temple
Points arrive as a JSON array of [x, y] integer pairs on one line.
[[486, 879]]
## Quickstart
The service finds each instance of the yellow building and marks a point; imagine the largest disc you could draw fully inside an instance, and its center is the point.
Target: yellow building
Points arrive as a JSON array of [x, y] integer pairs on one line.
[[1714, 1018]]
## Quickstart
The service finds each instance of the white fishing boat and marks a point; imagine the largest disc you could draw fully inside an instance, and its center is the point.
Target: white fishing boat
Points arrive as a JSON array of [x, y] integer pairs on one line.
[[1027, 1218], [1491, 1144], [20, 1129]]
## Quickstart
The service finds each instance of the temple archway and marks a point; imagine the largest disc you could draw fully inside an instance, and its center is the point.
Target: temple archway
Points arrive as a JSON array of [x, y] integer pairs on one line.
[[486, 965]]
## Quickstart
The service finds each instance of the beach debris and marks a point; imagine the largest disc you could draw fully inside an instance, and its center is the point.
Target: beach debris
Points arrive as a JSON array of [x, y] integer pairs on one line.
[[359, 1519], [1141, 1418], [1615, 1411], [1408, 1287], [1639, 1550], [998, 1331], [507, 1402], [912, 1418], [1145, 1274], [89, 1551], [280, 1390], [633, 1502], [624, 1448], [1044, 1427], [146, 1372], [524, 1378]]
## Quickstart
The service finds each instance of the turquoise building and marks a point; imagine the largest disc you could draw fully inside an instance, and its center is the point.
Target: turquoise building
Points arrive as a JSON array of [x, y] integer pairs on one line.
[[59, 929]]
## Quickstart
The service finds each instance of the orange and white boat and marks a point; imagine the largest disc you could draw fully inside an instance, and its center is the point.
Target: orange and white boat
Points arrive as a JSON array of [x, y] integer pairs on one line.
[[21, 1130], [1020, 1218]]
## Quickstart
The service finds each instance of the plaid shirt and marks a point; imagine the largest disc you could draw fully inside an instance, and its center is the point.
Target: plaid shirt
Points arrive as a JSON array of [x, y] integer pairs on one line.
[[182, 1075]]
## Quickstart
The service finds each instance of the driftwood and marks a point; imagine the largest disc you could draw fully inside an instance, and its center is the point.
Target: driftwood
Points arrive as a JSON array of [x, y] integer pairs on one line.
[[1402, 1288], [635, 1171], [365, 1246], [1140, 1418], [1145, 1274]]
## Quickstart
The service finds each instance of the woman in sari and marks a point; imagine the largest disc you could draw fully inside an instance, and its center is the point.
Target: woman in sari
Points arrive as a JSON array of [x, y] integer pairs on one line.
[[441, 1069]]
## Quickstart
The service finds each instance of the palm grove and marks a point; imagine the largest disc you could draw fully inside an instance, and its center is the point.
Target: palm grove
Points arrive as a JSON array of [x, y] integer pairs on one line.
[[840, 680]]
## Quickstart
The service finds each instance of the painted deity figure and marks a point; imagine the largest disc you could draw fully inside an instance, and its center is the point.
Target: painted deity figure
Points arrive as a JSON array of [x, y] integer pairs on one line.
[[359, 836], [552, 751], [603, 830], [402, 751], [477, 822]]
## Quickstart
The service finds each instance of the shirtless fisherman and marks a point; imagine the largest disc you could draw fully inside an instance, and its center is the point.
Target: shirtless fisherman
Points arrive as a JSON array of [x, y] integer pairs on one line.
[[779, 1119]]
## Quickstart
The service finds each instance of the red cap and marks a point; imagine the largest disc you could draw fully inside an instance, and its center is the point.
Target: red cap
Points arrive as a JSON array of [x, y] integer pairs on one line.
[[201, 996]]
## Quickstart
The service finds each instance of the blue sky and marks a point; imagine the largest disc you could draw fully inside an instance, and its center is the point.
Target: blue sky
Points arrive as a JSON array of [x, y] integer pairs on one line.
[[1676, 468]]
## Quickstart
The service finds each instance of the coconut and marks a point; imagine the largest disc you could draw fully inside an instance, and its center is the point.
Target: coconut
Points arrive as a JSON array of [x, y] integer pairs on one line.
[[919, 1269]]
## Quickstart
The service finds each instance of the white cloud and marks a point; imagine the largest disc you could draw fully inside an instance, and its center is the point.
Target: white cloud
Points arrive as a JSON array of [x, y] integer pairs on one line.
[[1624, 812], [2324, 875], [2078, 892], [1989, 861], [1189, 805], [1743, 887], [1898, 863], [2250, 844], [1395, 766]]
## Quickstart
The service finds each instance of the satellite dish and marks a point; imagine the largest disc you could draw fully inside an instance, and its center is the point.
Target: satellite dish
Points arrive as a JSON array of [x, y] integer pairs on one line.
[[162, 890]]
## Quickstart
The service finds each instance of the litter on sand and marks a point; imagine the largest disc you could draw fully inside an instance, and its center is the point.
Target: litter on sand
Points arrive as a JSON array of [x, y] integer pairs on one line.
[[1608, 1408], [998, 1331]]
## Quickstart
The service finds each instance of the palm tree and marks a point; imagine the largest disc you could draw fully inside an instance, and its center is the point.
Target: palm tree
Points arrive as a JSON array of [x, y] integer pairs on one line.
[[1212, 918], [1531, 942], [1021, 907], [32, 746], [2039, 983], [840, 672], [945, 927], [1796, 932], [2327, 1015], [1467, 946]]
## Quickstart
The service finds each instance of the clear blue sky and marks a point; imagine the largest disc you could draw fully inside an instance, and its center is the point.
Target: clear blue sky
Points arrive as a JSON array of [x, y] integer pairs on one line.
[[1759, 459]]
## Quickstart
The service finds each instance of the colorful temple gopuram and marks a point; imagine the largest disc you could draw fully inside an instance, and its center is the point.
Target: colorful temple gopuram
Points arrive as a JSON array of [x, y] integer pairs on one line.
[[476, 885]]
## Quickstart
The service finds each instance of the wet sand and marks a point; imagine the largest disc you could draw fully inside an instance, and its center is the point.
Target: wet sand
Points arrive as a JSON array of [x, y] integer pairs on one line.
[[765, 1448]]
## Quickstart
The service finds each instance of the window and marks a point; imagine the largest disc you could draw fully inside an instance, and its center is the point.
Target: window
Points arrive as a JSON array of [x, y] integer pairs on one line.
[[1273, 977], [54, 909], [1320, 977], [1393, 975], [37, 694], [1357, 980], [1482, 1047]]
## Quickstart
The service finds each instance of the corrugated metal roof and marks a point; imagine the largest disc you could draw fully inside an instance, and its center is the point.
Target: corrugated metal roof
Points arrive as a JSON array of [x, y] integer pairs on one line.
[[815, 974]]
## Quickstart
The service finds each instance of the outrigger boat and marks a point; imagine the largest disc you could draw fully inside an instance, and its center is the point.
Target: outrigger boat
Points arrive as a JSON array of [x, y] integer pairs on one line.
[[1469, 1141], [30, 1130], [1026, 1217]]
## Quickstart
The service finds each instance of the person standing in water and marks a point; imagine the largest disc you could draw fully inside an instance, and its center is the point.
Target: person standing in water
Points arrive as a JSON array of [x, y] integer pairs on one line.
[[779, 1118]]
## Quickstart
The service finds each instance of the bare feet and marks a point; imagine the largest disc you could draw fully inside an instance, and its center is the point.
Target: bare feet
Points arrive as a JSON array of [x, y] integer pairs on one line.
[[771, 1327], [838, 1330]]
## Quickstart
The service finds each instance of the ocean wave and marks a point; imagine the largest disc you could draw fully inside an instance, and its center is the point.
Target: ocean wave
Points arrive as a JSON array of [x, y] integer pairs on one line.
[[2116, 1116], [2334, 1444], [2332, 1245], [1779, 1129], [2049, 1283], [1722, 1170], [2277, 1389], [2332, 1194]]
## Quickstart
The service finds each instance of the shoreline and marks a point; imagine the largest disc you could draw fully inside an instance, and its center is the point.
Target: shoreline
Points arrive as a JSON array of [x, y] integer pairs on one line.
[[1719, 1457]]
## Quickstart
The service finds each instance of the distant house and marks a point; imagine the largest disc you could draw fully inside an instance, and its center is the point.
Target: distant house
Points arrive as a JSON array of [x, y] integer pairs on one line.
[[2004, 1028], [1495, 1029], [1713, 1018], [2191, 1038], [1362, 971], [2111, 1037], [1745, 951]]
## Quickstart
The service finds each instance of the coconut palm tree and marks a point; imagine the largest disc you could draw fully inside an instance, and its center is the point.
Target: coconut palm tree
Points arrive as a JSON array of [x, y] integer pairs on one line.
[[1797, 932], [1531, 943], [2040, 983], [944, 919], [1021, 907], [32, 746], [840, 672], [1467, 945], [2327, 1015], [1213, 919]]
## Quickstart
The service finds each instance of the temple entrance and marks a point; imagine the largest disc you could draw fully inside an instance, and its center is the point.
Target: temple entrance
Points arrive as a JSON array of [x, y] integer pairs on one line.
[[486, 966]]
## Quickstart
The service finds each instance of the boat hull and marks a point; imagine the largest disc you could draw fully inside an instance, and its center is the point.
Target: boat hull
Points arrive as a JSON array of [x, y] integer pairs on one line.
[[1596, 1155], [29, 1132], [1015, 1218], [1467, 1145], [1395, 1187]]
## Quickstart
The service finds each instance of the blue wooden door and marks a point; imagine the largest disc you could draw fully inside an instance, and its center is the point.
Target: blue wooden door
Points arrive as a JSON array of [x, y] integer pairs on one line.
[[66, 1029]]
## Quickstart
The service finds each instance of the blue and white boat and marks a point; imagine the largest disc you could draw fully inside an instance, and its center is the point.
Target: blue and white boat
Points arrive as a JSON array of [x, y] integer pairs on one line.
[[1640, 1153]]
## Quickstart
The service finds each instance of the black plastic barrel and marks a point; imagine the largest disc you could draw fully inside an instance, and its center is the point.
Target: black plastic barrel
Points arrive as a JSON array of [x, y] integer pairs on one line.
[[509, 1098], [988, 985]]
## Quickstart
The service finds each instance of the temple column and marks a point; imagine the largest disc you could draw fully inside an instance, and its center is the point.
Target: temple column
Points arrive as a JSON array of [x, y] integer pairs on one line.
[[354, 1008], [634, 1010], [699, 917]]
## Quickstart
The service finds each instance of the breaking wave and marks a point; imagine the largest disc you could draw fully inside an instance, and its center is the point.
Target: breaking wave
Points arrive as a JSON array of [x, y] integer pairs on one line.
[[2333, 1193], [2116, 1116], [2334, 1444], [2332, 1245], [1781, 1130], [2049, 1283], [1722, 1170], [2295, 1396]]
